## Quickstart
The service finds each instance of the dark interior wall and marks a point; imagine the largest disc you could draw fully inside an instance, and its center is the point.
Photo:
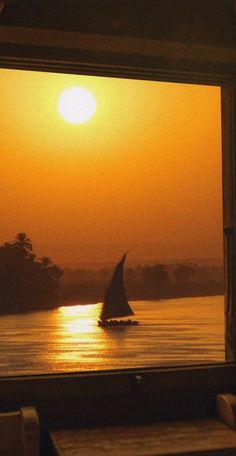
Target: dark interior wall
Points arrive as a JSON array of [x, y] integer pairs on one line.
[[210, 22]]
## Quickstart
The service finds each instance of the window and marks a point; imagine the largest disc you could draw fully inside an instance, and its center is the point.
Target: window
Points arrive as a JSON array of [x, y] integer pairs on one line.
[[154, 387], [92, 167]]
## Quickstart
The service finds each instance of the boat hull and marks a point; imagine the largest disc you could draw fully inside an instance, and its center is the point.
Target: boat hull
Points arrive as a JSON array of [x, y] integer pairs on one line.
[[114, 323]]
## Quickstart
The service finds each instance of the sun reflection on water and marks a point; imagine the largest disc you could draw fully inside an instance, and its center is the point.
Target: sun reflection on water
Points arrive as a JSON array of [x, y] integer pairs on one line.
[[81, 343], [175, 333], [68, 339], [79, 319]]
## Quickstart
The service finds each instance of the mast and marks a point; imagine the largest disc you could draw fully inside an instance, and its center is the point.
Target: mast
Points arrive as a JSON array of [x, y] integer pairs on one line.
[[115, 302]]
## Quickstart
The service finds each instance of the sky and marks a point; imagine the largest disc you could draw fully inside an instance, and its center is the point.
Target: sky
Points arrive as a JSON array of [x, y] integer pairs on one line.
[[143, 174]]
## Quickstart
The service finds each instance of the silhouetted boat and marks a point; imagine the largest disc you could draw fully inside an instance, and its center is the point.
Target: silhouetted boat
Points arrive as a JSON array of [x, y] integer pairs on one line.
[[115, 302]]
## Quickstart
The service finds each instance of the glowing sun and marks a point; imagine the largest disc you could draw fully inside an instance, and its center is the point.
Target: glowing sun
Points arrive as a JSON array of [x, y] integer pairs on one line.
[[77, 105]]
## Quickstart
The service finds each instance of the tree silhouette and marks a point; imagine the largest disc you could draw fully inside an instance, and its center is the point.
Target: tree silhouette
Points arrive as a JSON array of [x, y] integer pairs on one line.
[[55, 272], [26, 283], [154, 279], [46, 262], [23, 242], [184, 271]]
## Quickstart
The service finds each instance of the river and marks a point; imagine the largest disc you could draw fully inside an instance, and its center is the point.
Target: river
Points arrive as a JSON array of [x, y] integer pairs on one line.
[[171, 332]]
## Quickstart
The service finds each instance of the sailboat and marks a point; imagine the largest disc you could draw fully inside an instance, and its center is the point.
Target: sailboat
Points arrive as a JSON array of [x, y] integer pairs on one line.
[[115, 302]]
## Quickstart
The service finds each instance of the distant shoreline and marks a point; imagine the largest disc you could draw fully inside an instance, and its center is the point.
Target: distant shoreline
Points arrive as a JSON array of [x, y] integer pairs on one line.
[[29, 283], [86, 303]]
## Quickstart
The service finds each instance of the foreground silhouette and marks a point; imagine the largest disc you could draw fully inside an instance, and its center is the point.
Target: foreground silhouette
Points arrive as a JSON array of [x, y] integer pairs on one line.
[[115, 302], [26, 282]]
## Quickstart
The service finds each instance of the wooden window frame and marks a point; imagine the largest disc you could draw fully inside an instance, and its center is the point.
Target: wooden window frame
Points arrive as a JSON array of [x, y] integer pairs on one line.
[[88, 398]]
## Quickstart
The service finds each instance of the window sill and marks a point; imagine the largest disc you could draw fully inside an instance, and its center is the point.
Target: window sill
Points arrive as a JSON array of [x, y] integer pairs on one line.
[[193, 437]]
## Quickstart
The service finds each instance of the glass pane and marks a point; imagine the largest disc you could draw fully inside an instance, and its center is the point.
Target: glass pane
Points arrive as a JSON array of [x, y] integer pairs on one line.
[[92, 168]]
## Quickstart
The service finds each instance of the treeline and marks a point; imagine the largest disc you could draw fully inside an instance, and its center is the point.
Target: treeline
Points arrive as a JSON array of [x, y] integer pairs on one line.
[[29, 283], [157, 281], [26, 282]]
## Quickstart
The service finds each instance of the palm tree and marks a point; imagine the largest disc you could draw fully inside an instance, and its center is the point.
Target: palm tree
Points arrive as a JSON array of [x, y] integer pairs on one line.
[[6, 247], [56, 272], [52, 269], [26, 282], [23, 242], [46, 262], [6, 253]]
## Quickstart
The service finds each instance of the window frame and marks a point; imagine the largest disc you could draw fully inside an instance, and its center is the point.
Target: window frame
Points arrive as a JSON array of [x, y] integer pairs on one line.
[[88, 398]]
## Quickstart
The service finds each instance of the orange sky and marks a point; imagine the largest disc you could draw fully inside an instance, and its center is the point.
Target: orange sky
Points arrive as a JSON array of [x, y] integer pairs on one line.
[[143, 174]]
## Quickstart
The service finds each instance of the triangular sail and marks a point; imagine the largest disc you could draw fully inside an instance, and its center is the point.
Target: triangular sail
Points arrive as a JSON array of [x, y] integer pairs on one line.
[[115, 302]]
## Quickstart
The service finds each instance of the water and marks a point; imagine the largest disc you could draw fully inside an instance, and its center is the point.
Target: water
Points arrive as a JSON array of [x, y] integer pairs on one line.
[[171, 332]]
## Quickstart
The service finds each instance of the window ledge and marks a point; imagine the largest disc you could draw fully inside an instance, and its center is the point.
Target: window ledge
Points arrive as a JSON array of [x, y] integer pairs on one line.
[[193, 437]]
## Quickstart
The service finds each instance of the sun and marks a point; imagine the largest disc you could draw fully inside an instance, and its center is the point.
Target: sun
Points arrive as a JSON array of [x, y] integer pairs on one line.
[[77, 105]]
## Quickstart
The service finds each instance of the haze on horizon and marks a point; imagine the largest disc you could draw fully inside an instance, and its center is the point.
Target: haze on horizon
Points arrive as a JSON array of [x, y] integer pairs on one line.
[[143, 174]]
